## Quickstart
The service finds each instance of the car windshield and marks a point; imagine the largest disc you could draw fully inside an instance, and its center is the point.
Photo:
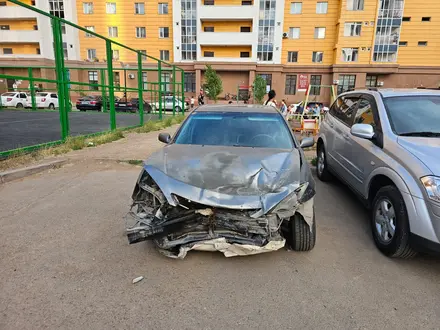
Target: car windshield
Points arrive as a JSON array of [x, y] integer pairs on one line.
[[258, 130], [414, 115]]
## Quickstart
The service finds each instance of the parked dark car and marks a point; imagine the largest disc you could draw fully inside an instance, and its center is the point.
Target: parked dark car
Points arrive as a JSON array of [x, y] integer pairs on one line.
[[131, 106], [89, 103]]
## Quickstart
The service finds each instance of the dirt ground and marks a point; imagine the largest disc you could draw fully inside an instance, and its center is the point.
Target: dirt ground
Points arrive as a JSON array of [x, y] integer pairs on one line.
[[65, 263]]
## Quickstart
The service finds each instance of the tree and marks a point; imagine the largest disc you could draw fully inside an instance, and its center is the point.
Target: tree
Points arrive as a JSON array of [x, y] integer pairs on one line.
[[213, 83], [259, 88]]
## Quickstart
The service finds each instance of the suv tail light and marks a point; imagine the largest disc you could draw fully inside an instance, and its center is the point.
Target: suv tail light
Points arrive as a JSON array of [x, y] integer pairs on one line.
[[93, 102]]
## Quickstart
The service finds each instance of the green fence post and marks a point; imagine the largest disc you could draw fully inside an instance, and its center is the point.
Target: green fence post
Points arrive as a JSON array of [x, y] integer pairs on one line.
[[182, 86], [103, 91], [32, 88], [141, 87], [59, 58], [174, 90], [111, 87], [159, 72]]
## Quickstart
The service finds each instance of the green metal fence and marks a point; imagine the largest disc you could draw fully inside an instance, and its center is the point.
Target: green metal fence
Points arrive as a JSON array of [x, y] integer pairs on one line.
[[169, 82]]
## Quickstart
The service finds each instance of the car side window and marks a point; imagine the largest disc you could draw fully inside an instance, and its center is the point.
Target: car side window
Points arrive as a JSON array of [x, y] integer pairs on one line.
[[344, 109], [54, 96], [22, 95], [364, 114]]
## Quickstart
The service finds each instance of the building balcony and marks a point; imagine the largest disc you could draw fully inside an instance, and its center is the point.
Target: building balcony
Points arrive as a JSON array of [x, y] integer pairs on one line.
[[226, 38], [231, 13], [21, 36], [385, 48], [17, 12]]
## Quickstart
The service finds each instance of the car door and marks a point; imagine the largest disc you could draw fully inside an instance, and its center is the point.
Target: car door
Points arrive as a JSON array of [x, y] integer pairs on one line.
[[342, 137], [54, 100], [363, 153]]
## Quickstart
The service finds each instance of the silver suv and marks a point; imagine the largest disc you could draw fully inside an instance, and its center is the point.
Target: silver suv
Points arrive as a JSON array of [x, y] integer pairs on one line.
[[385, 145]]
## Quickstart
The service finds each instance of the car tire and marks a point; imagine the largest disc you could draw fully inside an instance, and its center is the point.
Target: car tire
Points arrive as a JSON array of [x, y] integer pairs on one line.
[[390, 201], [52, 106], [19, 105], [303, 237], [321, 164], [177, 109]]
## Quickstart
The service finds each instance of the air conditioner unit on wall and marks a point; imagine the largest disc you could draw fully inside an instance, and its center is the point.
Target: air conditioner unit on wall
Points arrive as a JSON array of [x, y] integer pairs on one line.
[[131, 76], [285, 35]]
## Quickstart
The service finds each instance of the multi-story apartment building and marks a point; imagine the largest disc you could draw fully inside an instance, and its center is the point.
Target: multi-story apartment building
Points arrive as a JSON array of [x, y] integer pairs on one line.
[[349, 43]]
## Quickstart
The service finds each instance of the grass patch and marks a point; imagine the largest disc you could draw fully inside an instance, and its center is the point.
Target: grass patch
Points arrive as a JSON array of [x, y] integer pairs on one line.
[[21, 158], [135, 162], [314, 161]]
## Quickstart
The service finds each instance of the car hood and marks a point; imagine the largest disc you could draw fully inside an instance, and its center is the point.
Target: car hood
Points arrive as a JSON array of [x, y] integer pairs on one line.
[[233, 177], [427, 150]]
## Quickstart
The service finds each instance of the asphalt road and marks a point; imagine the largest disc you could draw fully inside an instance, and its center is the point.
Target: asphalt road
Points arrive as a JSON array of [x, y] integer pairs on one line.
[[26, 128], [65, 263]]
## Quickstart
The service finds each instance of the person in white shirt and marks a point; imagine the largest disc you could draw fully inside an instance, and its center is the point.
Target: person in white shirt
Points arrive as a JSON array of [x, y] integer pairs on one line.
[[193, 102], [271, 99]]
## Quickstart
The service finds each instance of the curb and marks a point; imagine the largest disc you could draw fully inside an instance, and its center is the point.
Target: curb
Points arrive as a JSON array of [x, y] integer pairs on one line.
[[20, 173]]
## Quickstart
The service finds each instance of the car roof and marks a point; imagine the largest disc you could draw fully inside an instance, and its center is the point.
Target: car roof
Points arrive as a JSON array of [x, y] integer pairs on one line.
[[392, 92], [251, 108]]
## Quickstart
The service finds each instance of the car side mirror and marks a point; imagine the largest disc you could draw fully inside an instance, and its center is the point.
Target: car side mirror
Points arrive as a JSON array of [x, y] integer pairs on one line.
[[363, 131], [165, 138], [307, 142]]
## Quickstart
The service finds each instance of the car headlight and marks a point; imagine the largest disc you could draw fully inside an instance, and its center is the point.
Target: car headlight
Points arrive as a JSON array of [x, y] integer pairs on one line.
[[432, 186]]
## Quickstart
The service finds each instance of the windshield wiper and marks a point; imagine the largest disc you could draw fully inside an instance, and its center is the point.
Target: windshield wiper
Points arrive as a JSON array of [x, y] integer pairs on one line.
[[422, 134]]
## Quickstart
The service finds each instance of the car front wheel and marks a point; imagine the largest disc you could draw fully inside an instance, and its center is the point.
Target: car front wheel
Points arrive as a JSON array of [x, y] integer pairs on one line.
[[302, 237], [390, 225]]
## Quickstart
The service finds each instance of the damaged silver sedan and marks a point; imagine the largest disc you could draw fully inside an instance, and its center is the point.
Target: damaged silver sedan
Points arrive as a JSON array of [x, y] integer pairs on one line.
[[233, 179]]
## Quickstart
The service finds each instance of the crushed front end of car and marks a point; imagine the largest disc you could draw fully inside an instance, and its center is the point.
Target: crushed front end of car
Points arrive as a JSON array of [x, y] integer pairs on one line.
[[241, 209]]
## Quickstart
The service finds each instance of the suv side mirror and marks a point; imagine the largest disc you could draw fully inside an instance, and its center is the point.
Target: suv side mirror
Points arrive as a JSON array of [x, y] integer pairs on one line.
[[307, 142], [165, 138], [363, 131]]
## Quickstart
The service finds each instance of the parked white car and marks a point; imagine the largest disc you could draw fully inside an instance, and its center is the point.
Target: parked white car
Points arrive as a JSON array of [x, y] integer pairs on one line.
[[13, 100], [44, 100], [167, 104]]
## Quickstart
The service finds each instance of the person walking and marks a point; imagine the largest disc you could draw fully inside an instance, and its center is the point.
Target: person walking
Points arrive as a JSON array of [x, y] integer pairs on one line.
[[283, 108], [271, 99], [193, 102]]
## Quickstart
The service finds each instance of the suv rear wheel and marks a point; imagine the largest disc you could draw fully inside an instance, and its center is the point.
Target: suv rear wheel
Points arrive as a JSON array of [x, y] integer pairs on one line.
[[321, 164], [389, 222]]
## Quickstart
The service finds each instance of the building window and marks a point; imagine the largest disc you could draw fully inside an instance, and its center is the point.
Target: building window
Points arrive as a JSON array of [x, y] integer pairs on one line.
[[319, 32], [423, 43], [65, 53], [141, 32], [403, 43], [144, 80], [117, 80], [165, 55], [90, 28], [189, 30], [352, 29], [294, 32], [295, 7], [166, 76], [371, 81], [113, 31], [208, 2], [315, 84], [350, 54], [163, 8], [111, 7], [91, 54], [115, 54], [7, 51], [266, 30], [93, 79], [189, 82], [208, 29], [139, 8], [164, 32], [317, 57], [56, 8], [144, 57], [426, 19], [290, 84], [292, 57], [88, 7], [245, 54], [347, 83], [268, 78], [355, 4], [246, 3], [406, 19], [321, 7], [4, 27], [208, 54], [245, 29]]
